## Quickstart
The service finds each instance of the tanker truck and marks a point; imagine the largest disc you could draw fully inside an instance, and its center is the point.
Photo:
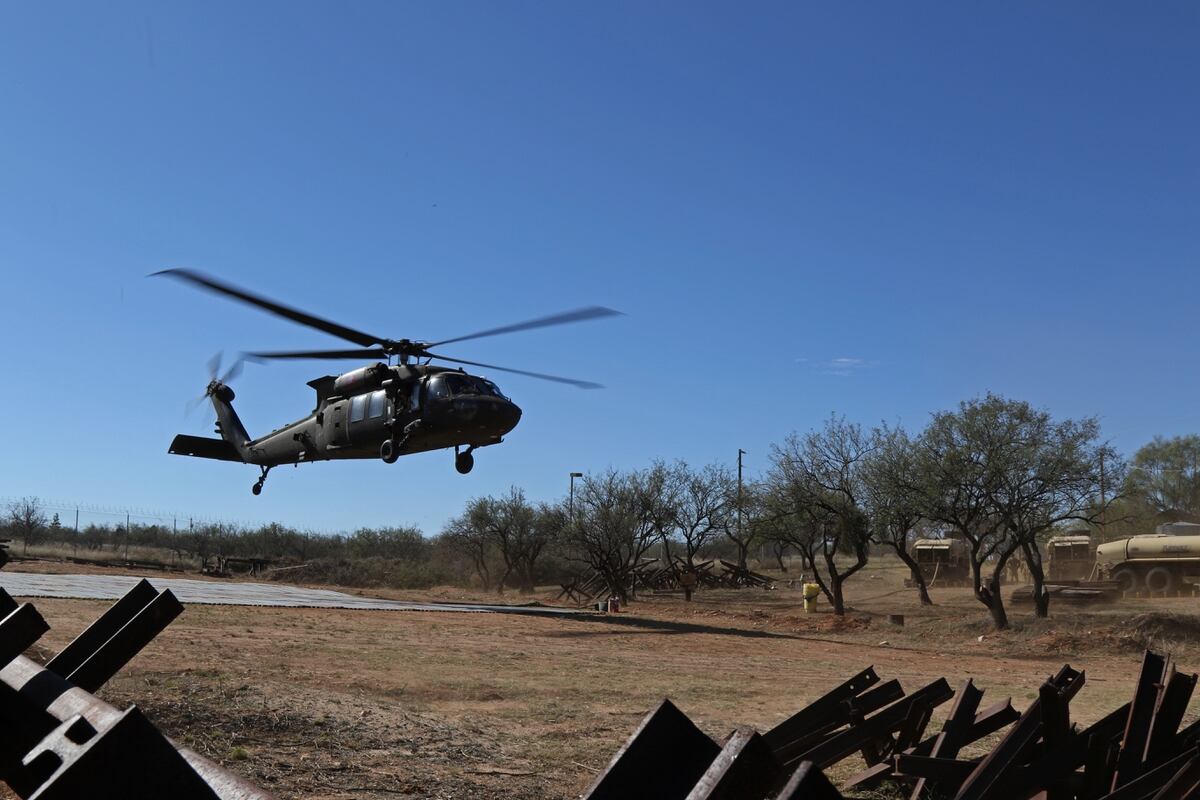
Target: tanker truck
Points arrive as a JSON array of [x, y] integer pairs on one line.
[[1155, 562]]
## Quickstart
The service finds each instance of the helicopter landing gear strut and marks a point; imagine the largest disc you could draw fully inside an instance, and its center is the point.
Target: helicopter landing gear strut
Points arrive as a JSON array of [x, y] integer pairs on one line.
[[464, 462], [389, 451], [257, 487]]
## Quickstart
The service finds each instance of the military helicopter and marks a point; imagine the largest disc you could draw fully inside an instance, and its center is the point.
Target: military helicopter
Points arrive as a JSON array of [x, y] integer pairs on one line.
[[384, 410]]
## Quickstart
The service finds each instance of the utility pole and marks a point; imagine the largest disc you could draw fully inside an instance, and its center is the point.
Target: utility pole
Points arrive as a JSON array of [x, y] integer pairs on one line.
[[126, 535], [741, 453], [1102, 514], [571, 504]]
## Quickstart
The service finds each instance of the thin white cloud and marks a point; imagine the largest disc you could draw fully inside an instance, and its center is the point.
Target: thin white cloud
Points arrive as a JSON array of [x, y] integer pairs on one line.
[[841, 366]]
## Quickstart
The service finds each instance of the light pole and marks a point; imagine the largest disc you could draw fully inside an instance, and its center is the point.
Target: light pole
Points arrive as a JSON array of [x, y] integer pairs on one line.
[[574, 475]]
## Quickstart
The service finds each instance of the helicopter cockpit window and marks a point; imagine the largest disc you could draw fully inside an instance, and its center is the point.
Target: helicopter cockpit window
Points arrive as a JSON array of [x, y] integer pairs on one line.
[[376, 406], [437, 388], [358, 408], [459, 384], [487, 388]]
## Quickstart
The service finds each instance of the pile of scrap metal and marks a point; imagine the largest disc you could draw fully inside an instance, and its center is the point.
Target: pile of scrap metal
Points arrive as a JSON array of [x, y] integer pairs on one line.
[[656, 576], [58, 740], [1137, 752]]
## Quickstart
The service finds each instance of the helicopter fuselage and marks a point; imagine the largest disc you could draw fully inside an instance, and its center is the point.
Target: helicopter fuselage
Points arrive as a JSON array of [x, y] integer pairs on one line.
[[415, 407], [438, 407]]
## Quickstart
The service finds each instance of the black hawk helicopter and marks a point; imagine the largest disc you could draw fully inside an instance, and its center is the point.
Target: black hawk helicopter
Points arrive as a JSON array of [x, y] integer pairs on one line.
[[384, 410]]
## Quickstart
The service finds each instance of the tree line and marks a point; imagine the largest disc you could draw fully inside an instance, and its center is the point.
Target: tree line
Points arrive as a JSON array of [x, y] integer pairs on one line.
[[999, 473]]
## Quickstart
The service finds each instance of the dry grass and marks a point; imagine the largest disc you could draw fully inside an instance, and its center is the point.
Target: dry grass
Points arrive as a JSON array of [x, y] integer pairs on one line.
[[349, 704]]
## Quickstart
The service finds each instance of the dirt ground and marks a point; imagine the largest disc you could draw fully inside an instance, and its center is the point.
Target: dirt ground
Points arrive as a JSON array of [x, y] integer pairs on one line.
[[314, 703]]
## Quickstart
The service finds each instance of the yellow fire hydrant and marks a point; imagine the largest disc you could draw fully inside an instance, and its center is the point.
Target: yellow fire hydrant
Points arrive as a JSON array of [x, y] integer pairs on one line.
[[811, 592]]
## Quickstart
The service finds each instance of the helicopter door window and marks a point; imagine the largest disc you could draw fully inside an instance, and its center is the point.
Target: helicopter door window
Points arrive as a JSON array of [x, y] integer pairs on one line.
[[358, 408], [376, 406]]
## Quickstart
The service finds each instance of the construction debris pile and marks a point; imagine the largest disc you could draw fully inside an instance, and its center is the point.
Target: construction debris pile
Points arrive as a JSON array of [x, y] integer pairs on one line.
[[1137, 752], [657, 577], [59, 741]]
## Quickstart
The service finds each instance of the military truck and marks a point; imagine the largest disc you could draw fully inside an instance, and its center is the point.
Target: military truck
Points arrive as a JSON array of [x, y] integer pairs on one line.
[[1071, 557], [943, 562], [1154, 562]]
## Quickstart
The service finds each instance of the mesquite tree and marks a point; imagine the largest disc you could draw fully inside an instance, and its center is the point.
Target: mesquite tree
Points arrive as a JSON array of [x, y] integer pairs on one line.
[[704, 505], [817, 490], [1049, 475], [512, 524], [617, 518], [894, 498]]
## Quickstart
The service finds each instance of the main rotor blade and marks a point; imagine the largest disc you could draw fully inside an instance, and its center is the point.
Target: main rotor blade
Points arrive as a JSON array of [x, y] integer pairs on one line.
[[543, 376], [370, 352], [295, 315], [578, 315]]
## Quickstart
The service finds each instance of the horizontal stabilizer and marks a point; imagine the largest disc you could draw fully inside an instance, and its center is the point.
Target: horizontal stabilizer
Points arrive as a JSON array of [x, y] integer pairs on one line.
[[200, 447]]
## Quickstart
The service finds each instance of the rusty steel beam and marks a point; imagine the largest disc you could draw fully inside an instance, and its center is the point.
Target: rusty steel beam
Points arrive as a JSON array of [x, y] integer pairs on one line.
[[842, 744], [664, 758], [108, 625], [1169, 714], [984, 780], [849, 710], [7, 604], [1152, 780], [46, 698], [127, 642], [743, 769], [19, 630], [1184, 784], [954, 730], [1141, 719], [808, 783], [817, 713]]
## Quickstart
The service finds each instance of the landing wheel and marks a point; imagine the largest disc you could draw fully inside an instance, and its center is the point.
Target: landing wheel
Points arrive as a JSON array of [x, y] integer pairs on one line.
[[463, 462], [257, 488], [389, 451]]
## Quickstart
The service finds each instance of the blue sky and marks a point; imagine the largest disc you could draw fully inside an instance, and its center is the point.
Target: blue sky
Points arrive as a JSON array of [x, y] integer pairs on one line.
[[870, 209]]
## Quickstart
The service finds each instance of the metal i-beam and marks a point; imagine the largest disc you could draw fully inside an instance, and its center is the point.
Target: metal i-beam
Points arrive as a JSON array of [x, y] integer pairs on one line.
[[743, 769], [987, 775], [954, 730], [1141, 719], [127, 642], [808, 783], [883, 723], [817, 713], [95, 635]]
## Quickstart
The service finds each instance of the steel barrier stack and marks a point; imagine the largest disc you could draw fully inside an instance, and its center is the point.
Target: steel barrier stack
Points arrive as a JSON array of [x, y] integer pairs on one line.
[[59, 741], [1136, 752]]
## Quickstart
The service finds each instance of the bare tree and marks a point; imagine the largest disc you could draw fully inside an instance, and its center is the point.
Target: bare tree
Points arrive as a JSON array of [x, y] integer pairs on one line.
[[27, 521], [893, 495], [818, 492], [703, 504], [618, 516], [511, 523], [464, 536]]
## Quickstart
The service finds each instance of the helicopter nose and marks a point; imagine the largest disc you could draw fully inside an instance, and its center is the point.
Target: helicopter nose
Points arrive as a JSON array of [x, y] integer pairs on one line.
[[510, 415]]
